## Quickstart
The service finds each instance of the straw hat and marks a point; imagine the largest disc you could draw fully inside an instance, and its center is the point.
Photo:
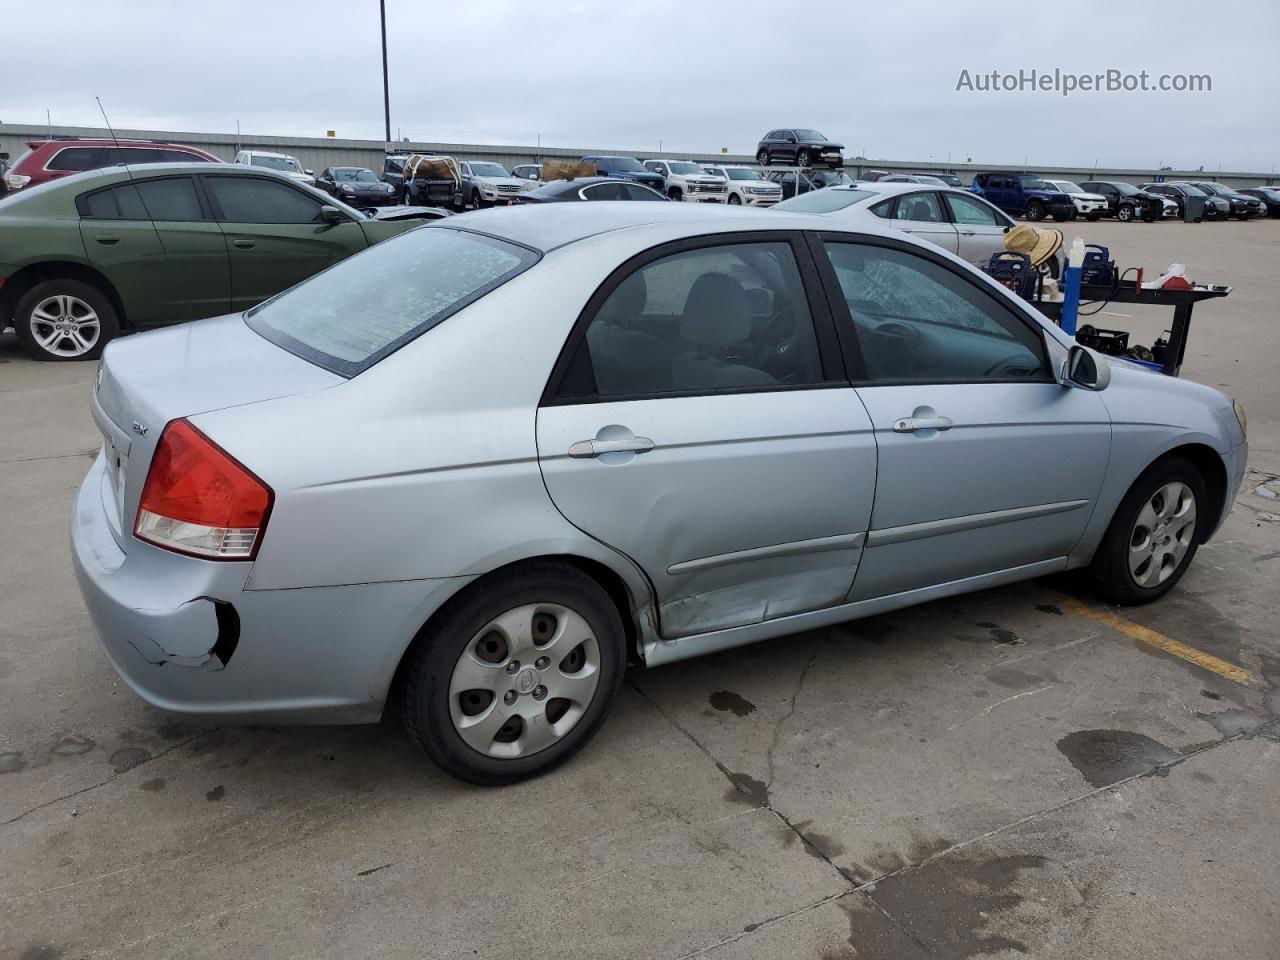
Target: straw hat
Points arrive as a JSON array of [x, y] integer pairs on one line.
[[1039, 245]]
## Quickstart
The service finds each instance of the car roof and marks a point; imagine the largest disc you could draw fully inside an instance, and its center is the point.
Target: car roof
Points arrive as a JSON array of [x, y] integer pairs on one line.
[[546, 227], [268, 153]]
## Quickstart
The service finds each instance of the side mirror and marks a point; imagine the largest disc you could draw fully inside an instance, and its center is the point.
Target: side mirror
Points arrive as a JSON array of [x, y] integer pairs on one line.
[[308, 172], [4, 154], [331, 214], [1083, 370]]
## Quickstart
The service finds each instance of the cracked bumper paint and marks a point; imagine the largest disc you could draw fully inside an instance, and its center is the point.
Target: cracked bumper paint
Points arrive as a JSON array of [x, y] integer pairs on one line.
[[323, 654]]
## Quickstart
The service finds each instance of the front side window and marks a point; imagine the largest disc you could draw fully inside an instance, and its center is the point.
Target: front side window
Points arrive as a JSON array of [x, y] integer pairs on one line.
[[366, 307], [922, 207], [710, 319], [251, 200], [970, 210], [809, 135], [916, 320]]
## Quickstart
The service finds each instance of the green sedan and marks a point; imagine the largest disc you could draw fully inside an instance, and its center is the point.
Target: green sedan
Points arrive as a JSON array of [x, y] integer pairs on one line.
[[85, 257]]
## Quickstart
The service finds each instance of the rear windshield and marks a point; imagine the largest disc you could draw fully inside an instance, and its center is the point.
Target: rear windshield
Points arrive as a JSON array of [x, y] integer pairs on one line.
[[823, 201], [368, 306]]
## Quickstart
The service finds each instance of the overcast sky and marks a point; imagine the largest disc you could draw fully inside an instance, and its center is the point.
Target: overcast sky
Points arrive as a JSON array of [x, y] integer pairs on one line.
[[694, 76]]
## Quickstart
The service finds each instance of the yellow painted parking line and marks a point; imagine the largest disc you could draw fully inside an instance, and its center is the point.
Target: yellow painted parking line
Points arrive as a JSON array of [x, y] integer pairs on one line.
[[1137, 631]]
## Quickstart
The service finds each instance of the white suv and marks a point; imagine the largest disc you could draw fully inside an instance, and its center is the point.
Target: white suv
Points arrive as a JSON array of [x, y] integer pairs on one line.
[[746, 186], [1091, 206], [279, 162], [685, 180]]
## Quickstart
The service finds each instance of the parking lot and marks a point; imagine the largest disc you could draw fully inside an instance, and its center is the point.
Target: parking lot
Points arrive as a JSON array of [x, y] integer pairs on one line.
[[1016, 772]]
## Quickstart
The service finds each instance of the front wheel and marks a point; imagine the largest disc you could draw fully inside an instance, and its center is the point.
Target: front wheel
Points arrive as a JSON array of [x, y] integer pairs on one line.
[[64, 319], [1035, 210], [675, 194], [1124, 214], [802, 158], [516, 677], [762, 158], [734, 200], [1153, 535]]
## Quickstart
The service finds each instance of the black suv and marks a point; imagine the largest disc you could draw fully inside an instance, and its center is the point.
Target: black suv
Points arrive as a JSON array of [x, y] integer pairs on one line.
[[1179, 191], [1126, 202], [799, 146]]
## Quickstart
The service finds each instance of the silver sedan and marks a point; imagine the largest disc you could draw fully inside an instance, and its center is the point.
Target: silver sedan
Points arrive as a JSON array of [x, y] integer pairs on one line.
[[484, 464], [958, 221]]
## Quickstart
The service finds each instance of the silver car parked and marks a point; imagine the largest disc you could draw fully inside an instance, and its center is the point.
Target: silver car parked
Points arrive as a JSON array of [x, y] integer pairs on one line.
[[956, 220], [483, 464]]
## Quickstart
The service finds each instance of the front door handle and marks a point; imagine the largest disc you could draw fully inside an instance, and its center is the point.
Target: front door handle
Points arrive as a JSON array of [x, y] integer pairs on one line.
[[911, 424], [242, 243], [586, 449], [106, 238]]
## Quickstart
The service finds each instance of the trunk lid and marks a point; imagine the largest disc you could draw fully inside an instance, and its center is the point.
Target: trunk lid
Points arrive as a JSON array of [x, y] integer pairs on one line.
[[146, 380]]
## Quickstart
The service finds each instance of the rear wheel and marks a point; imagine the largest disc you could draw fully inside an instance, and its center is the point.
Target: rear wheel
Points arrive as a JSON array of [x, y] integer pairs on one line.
[[1153, 536], [64, 319], [762, 158], [517, 677], [1035, 210], [802, 158], [1091, 217]]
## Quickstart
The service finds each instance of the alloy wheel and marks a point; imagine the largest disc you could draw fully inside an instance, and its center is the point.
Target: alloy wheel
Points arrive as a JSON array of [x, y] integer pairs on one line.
[[65, 325], [1162, 534], [524, 680]]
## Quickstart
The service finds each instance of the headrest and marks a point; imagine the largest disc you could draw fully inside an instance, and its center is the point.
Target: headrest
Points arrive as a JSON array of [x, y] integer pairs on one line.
[[628, 299], [717, 311]]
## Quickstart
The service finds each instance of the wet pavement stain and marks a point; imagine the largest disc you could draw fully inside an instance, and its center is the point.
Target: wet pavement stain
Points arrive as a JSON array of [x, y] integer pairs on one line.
[[1013, 678], [154, 785], [1233, 723], [887, 860], [729, 702], [41, 952], [945, 905], [1210, 694], [1049, 608], [11, 761], [1000, 636], [126, 758], [746, 789], [820, 846], [216, 794], [1104, 757], [72, 746]]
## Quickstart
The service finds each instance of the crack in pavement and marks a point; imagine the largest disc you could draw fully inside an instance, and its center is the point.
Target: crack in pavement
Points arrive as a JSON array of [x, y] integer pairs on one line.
[[867, 887], [53, 456], [103, 783], [777, 727]]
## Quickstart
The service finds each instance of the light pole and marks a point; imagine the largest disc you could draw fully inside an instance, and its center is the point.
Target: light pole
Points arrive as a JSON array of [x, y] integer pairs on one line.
[[386, 87]]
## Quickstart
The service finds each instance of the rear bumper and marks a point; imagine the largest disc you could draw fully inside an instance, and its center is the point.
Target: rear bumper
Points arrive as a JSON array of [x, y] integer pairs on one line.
[[187, 637]]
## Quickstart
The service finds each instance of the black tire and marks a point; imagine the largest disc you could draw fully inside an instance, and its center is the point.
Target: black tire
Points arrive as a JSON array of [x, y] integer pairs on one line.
[[1061, 217], [405, 198], [1093, 217], [1035, 211], [675, 194], [802, 158], [108, 321], [477, 202], [426, 711], [1109, 571], [763, 158], [734, 200], [1124, 213]]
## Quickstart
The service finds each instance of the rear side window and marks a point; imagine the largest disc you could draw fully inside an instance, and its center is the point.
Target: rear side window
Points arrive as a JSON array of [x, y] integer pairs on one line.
[[731, 317], [78, 158], [251, 200], [368, 306], [605, 191], [173, 198]]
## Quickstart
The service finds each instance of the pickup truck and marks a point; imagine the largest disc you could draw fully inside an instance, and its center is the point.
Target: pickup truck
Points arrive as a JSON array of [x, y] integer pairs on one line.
[[685, 180], [1024, 195]]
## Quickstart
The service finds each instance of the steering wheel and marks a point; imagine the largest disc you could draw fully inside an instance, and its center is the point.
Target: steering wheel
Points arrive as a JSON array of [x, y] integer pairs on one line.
[[779, 338]]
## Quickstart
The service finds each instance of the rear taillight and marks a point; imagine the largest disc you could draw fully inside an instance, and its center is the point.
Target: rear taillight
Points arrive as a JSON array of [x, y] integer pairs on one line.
[[199, 500], [16, 181]]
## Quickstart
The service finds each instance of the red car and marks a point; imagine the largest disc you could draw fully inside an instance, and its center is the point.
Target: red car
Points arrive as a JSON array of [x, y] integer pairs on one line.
[[50, 159]]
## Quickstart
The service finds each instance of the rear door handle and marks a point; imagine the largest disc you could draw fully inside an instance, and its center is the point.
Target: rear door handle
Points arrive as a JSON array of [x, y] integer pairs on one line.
[[242, 243], [585, 449], [911, 424], [106, 238]]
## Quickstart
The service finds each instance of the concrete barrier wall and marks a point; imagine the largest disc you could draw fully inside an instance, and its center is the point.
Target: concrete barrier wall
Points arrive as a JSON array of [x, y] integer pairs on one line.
[[317, 153]]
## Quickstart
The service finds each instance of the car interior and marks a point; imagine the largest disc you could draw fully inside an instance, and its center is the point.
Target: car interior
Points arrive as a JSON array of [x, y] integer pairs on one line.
[[706, 319]]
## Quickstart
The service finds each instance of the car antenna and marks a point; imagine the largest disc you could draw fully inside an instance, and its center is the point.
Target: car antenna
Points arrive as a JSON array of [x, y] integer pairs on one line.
[[138, 193]]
